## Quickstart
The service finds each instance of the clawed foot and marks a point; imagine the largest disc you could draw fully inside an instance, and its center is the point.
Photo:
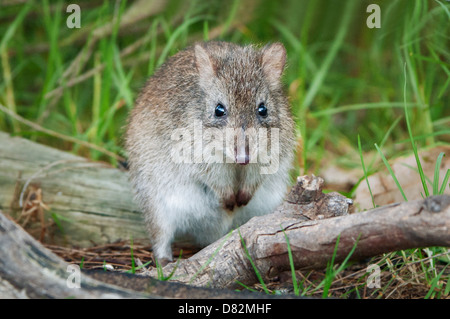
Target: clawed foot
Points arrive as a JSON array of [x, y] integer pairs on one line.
[[162, 262]]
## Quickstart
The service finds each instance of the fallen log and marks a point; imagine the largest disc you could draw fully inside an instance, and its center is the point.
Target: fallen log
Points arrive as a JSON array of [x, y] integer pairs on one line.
[[29, 270], [262, 243], [86, 202]]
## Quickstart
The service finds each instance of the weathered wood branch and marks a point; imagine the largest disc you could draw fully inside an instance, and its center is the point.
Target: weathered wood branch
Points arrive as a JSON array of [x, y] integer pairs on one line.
[[93, 203], [389, 228], [29, 270], [90, 202]]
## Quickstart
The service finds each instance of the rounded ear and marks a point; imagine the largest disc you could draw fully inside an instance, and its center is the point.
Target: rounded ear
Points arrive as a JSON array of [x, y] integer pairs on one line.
[[273, 61], [203, 62]]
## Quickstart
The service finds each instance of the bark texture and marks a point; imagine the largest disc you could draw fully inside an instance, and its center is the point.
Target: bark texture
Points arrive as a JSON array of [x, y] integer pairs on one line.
[[86, 202]]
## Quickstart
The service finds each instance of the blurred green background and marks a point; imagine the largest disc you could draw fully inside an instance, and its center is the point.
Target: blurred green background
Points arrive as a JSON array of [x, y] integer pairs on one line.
[[73, 88]]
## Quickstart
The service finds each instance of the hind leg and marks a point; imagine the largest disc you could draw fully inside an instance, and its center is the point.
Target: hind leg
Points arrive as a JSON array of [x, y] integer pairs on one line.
[[162, 251], [161, 237]]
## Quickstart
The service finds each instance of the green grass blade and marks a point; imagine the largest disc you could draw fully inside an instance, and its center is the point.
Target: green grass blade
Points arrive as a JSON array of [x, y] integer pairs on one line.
[[175, 34], [230, 18], [5, 62], [413, 144], [434, 285], [444, 7], [445, 182], [255, 269], [447, 287], [160, 272], [7, 36], [391, 172], [133, 267], [291, 263], [122, 80], [205, 31], [245, 286], [153, 44], [139, 267], [424, 136], [361, 106], [331, 55], [291, 39], [174, 268], [436, 173], [330, 273]]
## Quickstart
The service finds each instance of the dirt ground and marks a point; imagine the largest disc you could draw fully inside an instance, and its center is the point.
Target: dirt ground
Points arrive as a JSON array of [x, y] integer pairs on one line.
[[398, 279]]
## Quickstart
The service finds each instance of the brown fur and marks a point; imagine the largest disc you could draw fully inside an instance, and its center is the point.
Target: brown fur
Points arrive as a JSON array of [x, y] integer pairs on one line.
[[187, 89]]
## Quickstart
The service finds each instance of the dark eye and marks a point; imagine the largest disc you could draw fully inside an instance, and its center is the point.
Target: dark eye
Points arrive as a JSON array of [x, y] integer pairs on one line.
[[262, 110], [220, 110]]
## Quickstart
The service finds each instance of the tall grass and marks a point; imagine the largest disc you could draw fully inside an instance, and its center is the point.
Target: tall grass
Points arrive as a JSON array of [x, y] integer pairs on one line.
[[73, 88]]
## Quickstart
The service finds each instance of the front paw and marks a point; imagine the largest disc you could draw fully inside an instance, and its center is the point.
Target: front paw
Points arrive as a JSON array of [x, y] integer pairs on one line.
[[163, 262], [242, 198], [229, 202]]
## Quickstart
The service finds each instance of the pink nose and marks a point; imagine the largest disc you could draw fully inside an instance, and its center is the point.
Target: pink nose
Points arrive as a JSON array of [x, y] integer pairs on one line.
[[243, 159]]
